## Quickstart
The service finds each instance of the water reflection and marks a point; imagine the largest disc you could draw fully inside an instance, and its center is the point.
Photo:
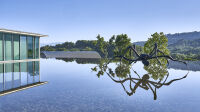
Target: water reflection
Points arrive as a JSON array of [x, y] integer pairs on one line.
[[19, 76], [122, 72], [81, 60], [191, 65], [157, 69]]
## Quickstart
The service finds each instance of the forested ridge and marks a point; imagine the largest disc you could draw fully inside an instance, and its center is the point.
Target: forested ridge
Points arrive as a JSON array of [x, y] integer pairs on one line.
[[185, 46], [115, 45]]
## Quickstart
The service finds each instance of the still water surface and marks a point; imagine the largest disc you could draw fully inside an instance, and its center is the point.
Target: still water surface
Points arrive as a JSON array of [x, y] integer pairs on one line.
[[75, 87]]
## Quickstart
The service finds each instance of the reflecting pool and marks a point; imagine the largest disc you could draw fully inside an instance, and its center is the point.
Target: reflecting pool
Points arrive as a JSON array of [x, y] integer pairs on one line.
[[75, 85]]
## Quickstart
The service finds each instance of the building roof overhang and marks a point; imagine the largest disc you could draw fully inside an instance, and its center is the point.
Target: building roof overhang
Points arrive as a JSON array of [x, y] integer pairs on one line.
[[22, 32]]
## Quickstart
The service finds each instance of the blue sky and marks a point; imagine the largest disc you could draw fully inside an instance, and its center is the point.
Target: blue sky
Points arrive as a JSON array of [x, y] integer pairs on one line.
[[71, 20]]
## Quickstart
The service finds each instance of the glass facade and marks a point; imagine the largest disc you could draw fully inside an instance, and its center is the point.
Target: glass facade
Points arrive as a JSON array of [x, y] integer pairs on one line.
[[16, 75], [1, 47], [30, 47], [1, 68], [18, 47], [36, 48], [37, 71], [1, 77], [30, 72], [8, 75], [23, 47], [23, 70], [8, 46]]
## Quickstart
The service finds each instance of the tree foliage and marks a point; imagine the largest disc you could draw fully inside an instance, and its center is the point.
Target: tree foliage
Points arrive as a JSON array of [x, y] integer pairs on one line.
[[156, 69], [101, 46], [114, 46], [161, 41], [122, 69], [121, 43]]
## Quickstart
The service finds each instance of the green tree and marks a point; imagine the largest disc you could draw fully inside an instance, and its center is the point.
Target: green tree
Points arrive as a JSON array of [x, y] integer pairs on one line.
[[121, 43], [156, 69], [101, 46], [161, 41], [82, 44], [111, 46], [47, 48]]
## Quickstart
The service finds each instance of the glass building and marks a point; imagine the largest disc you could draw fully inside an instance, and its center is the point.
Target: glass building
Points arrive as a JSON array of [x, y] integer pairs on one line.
[[17, 45]]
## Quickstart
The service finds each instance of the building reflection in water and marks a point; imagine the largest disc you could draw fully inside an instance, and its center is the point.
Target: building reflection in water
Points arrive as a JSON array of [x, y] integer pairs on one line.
[[19, 76]]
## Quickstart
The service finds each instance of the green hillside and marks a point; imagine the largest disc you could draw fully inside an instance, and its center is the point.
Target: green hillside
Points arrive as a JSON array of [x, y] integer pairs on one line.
[[184, 46], [186, 49]]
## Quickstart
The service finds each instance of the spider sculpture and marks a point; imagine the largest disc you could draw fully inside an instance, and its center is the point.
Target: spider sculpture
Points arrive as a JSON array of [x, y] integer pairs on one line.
[[145, 57]]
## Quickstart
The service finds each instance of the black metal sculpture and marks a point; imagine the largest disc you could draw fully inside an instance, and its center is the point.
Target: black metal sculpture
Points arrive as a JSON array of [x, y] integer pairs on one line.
[[145, 57]]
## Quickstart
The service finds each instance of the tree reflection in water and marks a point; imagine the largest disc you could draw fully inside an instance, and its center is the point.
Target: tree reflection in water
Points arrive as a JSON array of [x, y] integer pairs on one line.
[[155, 78]]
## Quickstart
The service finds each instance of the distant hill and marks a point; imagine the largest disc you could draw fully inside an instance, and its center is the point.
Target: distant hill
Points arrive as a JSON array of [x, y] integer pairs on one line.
[[174, 38], [50, 44], [185, 47], [140, 43], [186, 43]]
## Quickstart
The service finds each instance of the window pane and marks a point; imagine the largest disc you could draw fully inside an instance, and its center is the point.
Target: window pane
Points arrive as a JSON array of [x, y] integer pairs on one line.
[[8, 47], [8, 75], [16, 47], [23, 47], [36, 47], [16, 75], [1, 77], [1, 68], [36, 71], [23, 69], [30, 72], [30, 47], [1, 47]]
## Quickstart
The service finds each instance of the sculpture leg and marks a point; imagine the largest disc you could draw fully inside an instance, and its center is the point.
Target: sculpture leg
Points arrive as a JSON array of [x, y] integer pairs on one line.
[[135, 52], [166, 56], [154, 91]]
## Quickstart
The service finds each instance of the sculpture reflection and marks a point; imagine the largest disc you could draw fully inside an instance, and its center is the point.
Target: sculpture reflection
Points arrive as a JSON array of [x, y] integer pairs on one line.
[[124, 74]]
